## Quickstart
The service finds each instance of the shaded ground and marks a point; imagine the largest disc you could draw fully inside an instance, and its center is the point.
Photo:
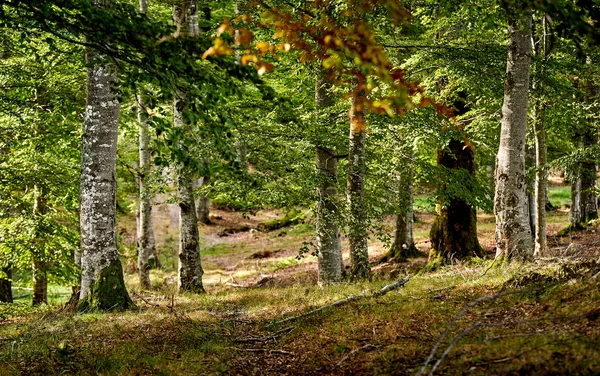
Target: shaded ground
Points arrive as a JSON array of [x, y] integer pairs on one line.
[[541, 318]]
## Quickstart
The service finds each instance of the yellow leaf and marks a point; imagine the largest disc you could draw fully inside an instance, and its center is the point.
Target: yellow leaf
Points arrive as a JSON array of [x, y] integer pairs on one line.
[[249, 59], [263, 47], [285, 47]]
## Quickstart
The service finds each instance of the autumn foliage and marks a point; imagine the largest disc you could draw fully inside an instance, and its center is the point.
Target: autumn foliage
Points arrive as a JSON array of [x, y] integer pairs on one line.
[[341, 38]]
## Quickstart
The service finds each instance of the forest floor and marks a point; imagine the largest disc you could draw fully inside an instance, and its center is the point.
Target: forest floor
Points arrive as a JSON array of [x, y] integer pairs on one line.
[[470, 318]]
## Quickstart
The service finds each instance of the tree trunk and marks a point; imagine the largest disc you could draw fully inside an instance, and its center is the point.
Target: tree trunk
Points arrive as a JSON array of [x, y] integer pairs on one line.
[[329, 243], [589, 176], [190, 268], [576, 215], [39, 276], [454, 230], [541, 182], [513, 234], [145, 233], [102, 285], [541, 170], [40, 279], [203, 202], [357, 226], [6, 286], [403, 246]]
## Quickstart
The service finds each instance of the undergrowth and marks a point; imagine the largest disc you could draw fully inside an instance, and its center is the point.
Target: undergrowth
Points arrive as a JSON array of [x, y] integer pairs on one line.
[[537, 319]]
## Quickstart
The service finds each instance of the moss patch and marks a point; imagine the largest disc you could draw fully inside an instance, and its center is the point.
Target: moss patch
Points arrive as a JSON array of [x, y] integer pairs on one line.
[[108, 292]]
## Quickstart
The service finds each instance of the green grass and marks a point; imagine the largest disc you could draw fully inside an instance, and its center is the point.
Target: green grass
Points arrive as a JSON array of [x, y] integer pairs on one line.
[[56, 294], [560, 196], [200, 334]]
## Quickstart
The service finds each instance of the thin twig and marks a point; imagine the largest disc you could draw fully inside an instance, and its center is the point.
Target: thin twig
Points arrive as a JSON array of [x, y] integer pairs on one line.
[[268, 351], [365, 347], [457, 317], [401, 282]]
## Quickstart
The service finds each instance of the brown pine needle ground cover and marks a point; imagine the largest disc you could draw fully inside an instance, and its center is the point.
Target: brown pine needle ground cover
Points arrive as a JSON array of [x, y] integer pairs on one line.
[[542, 318]]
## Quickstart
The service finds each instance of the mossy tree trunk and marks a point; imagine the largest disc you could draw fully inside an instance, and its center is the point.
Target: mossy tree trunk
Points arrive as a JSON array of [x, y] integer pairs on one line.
[[329, 244], [513, 233], [454, 231], [355, 189], [190, 268], [102, 285], [6, 286]]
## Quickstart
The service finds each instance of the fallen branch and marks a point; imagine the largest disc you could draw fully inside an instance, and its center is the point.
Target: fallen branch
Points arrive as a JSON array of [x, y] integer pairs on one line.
[[365, 347], [457, 317], [272, 337], [138, 296], [268, 351], [494, 324], [394, 286]]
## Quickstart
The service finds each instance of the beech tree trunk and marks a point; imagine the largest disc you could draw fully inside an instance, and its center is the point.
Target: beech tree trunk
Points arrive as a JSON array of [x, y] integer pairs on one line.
[[39, 276], [403, 246], [102, 285], [203, 202], [576, 215], [329, 243], [589, 177], [6, 286], [190, 268], [40, 279], [541, 171], [146, 244], [541, 182], [454, 230], [357, 216], [513, 234], [147, 254]]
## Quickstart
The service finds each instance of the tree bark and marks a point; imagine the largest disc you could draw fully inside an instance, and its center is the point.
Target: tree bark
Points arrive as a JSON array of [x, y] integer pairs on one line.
[[39, 276], [513, 234], [102, 285], [541, 182], [203, 202], [329, 243], [6, 286], [403, 246], [541, 170], [190, 268], [147, 254], [454, 230], [357, 226], [589, 176]]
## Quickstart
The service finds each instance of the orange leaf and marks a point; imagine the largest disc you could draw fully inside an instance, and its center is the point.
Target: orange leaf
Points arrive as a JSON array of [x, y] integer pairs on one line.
[[244, 36]]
